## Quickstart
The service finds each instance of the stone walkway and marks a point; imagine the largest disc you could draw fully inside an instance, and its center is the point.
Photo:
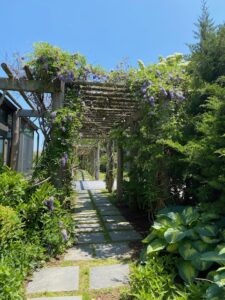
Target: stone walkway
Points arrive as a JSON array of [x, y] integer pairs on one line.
[[102, 247]]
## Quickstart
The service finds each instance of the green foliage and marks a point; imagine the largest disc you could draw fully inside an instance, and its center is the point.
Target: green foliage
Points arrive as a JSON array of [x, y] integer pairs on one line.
[[10, 225], [35, 227], [195, 239], [155, 280], [12, 187]]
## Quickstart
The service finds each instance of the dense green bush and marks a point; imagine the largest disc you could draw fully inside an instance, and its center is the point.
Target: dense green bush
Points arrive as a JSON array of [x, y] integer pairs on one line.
[[35, 227], [155, 280], [12, 187]]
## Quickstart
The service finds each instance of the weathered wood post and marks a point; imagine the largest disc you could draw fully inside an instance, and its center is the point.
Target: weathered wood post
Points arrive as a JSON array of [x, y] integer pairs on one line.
[[97, 161], [57, 103], [58, 97], [15, 141], [119, 189], [110, 166]]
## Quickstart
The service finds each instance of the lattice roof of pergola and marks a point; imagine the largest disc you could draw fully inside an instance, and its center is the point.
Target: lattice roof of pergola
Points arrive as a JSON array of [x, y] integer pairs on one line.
[[104, 106]]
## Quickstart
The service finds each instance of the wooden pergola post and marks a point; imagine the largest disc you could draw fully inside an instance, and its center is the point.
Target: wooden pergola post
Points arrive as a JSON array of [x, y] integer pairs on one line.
[[58, 97], [15, 141], [119, 190], [97, 161], [110, 166]]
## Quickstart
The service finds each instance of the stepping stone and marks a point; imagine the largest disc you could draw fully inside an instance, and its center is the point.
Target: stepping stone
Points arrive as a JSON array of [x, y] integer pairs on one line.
[[87, 220], [130, 235], [84, 230], [108, 276], [79, 253], [91, 238], [110, 212], [113, 219], [119, 226], [65, 279], [86, 213], [115, 250], [104, 205], [59, 298], [94, 225]]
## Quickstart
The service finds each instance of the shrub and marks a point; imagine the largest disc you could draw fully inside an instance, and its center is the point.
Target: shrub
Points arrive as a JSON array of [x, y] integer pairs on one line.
[[10, 225], [195, 237], [155, 280], [13, 187]]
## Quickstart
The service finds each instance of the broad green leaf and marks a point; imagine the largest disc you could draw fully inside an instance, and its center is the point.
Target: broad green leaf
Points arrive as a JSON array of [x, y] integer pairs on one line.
[[209, 240], [200, 245], [173, 235], [186, 250], [150, 237], [207, 230], [156, 245], [189, 215], [219, 278], [214, 292], [172, 248], [187, 271], [200, 265], [213, 257]]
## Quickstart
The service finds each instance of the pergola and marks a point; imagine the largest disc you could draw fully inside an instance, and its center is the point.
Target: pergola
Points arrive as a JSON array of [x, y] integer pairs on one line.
[[104, 106]]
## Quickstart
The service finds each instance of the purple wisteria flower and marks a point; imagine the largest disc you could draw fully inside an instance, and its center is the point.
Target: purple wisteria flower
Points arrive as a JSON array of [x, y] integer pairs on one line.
[[152, 101], [41, 59], [158, 73], [64, 159], [50, 203], [64, 235], [61, 77], [70, 76], [63, 162], [163, 91], [180, 96], [171, 93], [53, 115]]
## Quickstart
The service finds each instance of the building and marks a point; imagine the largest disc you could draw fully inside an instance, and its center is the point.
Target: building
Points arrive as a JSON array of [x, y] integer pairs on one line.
[[16, 154]]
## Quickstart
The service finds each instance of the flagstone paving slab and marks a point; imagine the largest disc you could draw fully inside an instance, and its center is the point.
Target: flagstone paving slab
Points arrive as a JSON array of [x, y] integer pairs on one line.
[[79, 253], [63, 279], [118, 226], [109, 212], [113, 219], [85, 230], [91, 238], [115, 250], [128, 235], [87, 220], [108, 276]]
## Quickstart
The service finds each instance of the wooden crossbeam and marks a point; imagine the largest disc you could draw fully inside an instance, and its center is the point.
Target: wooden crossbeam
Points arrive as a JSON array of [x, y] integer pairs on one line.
[[28, 85], [98, 84]]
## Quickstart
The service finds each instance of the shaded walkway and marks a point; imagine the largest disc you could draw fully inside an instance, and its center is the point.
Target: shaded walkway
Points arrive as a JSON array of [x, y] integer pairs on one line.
[[102, 249]]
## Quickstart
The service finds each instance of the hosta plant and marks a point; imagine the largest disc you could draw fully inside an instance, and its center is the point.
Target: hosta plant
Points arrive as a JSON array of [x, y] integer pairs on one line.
[[196, 238]]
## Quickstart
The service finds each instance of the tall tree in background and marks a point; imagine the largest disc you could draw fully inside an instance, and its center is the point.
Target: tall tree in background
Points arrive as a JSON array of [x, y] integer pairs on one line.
[[208, 54]]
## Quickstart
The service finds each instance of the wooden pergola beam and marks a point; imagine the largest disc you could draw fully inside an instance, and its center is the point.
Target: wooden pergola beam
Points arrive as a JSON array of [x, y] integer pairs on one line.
[[97, 84], [28, 85]]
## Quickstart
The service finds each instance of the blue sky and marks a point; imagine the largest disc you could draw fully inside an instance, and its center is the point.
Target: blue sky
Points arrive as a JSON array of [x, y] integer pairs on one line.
[[105, 31]]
